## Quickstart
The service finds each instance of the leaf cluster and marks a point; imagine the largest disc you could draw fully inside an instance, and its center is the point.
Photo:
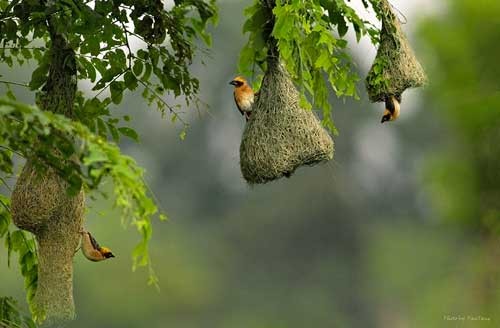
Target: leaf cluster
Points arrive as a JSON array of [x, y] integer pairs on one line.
[[103, 34], [311, 38], [120, 46], [84, 160], [11, 316], [23, 244]]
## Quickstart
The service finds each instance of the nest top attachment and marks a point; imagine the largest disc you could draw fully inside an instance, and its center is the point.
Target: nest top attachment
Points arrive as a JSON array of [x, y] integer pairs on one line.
[[280, 135], [395, 67]]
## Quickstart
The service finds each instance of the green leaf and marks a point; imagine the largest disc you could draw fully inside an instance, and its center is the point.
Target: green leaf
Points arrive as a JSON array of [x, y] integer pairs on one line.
[[137, 68], [128, 132], [147, 73], [39, 77], [89, 68], [114, 131], [116, 89], [26, 53], [130, 81]]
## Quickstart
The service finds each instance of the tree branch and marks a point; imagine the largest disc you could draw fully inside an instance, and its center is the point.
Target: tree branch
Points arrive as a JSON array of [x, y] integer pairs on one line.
[[169, 107], [15, 83]]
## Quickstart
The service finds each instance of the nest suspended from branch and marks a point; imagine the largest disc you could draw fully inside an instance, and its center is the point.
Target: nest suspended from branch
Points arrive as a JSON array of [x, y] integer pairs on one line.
[[280, 136], [395, 67], [38, 197], [41, 204]]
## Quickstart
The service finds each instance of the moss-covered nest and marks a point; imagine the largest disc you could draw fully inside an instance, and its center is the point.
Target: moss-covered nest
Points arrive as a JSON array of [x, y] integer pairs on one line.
[[395, 67], [280, 135]]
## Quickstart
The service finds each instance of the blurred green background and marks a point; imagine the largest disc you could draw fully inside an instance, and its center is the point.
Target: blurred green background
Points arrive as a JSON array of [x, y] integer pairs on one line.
[[400, 230]]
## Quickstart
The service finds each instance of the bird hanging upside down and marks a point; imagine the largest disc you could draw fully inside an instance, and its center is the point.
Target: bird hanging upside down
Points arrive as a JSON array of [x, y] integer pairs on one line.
[[392, 109], [243, 96], [92, 250]]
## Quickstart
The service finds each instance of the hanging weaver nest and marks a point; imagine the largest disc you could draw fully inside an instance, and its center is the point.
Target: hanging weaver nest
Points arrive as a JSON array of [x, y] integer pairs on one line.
[[280, 136], [41, 204], [395, 67], [40, 197]]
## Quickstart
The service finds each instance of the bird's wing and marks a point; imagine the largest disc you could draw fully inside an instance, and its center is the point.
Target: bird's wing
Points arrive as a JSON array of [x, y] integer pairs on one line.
[[94, 256], [389, 105], [94, 242], [236, 102]]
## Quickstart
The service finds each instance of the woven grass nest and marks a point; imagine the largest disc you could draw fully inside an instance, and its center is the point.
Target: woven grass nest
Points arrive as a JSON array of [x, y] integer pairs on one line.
[[395, 67], [39, 197], [280, 136], [41, 204]]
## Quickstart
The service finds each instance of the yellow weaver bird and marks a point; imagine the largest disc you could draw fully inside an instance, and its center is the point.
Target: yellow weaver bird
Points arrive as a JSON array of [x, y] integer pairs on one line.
[[92, 250], [392, 108]]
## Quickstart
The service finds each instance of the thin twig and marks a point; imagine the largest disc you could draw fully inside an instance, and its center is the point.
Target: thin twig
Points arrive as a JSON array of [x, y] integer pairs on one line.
[[107, 86], [128, 46], [139, 37], [20, 48], [7, 207], [143, 60], [108, 49], [5, 184], [15, 83], [169, 107], [405, 20], [153, 195], [12, 150]]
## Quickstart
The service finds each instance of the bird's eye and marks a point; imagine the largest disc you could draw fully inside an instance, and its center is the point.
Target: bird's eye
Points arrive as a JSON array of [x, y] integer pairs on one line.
[[385, 118]]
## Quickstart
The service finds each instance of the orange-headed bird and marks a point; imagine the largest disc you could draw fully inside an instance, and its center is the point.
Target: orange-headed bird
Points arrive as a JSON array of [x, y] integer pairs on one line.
[[243, 96], [92, 250]]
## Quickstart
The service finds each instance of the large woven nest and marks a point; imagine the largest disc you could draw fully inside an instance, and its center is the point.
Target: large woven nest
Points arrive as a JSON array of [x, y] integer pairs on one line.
[[39, 197], [280, 136], [395, 67], [41, 204]]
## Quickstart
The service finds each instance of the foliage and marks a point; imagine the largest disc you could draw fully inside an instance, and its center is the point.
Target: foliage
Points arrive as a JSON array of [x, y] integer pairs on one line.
[[311, 37], [101, 34], [10, 315], [37, 132], [22, 243]]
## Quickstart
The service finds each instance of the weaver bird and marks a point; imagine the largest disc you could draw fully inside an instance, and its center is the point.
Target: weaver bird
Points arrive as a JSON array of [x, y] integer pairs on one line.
[[392, 109], [243, 96], [92, 250]]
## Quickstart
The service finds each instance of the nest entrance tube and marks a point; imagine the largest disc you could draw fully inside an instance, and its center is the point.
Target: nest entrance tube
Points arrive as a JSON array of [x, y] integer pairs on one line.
[[395, 67], [280, 135]]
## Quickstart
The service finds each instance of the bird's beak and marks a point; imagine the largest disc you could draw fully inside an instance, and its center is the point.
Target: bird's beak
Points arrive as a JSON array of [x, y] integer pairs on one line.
[[233, 83]]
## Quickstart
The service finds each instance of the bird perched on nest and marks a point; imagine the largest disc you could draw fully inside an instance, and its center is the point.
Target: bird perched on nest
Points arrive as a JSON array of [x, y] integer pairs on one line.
[[92, 250], [243, 96], [392, 109]]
